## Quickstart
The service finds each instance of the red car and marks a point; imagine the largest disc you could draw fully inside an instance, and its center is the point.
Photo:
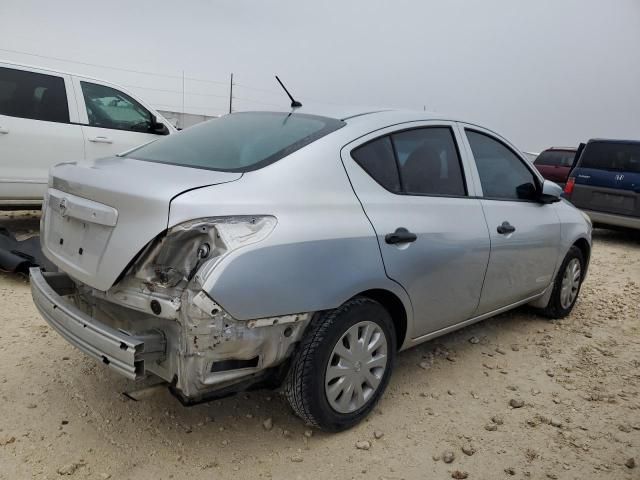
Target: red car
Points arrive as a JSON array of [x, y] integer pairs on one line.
[[555, 163]]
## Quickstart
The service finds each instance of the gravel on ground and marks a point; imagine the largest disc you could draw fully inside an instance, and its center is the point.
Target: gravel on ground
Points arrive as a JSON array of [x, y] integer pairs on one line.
[[515, 396]]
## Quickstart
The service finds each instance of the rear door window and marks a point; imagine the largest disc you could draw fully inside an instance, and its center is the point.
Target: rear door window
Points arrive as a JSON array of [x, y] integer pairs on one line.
[[614, 156], [33, 95], [428, 162], [420, 161]]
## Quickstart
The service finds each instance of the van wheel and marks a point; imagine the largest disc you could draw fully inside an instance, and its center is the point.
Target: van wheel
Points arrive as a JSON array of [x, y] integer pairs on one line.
[[343, 365], [566, 285]]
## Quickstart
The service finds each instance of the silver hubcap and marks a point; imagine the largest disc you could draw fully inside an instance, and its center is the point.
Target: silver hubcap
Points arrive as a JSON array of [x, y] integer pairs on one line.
[[570, 283], [356, 367]]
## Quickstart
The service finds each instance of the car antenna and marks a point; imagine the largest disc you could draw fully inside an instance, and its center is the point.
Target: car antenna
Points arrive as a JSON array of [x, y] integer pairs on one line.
[[294, 103]]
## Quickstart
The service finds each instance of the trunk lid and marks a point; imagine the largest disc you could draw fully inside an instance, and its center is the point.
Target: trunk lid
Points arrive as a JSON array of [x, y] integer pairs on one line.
[[98, 215]]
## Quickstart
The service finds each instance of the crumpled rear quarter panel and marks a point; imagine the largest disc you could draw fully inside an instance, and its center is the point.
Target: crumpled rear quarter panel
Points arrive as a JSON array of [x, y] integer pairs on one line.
[[322, 251]]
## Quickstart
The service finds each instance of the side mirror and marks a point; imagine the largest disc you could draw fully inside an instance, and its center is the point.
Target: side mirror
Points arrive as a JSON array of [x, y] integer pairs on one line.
[[551, 192], [526, 191], [158, 128]]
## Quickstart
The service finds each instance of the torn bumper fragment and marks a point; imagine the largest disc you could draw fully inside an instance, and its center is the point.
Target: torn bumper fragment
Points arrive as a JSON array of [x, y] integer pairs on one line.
[[124, 352], [201, 350]]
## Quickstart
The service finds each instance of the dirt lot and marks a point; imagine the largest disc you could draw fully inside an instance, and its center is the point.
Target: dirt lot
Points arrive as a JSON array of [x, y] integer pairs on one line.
[[61, 413]]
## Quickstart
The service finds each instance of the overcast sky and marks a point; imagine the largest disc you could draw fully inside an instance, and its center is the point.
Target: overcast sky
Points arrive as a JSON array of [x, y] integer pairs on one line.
[[541, 72]]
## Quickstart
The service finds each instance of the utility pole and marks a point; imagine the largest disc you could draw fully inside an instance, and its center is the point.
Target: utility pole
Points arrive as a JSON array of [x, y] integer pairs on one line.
[[183, 93], [231, 94]]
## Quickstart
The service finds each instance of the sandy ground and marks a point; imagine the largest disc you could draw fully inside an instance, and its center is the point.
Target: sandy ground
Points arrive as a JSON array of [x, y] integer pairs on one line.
[[62, 414]]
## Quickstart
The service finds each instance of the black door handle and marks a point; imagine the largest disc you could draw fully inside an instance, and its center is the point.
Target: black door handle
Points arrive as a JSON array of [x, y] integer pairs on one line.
[[505, 228], [401, 235]]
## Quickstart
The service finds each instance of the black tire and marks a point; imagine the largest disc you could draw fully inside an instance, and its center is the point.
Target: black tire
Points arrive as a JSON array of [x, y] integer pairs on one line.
[[305, 384], [554, 308]]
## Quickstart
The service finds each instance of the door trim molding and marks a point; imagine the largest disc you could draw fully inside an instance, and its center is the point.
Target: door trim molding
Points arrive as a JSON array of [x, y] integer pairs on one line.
[[443, 331]]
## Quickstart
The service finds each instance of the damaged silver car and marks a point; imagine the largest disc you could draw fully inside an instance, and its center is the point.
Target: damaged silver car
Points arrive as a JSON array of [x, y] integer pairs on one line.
[[267, 249]]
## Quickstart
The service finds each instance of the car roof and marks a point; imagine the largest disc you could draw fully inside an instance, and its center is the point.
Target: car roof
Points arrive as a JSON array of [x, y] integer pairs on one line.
[[337, 112], [368, 119], [364, 113], [609, 140], [53, 70]]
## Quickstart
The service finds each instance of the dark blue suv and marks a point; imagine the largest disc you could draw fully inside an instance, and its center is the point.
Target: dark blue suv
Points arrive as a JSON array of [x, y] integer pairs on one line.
[[605, 182]]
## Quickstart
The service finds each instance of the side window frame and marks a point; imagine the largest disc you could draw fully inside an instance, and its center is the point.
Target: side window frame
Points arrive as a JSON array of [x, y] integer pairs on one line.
[[389, 132], [493, 136]]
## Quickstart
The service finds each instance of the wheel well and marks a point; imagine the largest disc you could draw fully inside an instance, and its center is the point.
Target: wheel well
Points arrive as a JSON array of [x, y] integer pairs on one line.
[[396, 309], [583, 245]]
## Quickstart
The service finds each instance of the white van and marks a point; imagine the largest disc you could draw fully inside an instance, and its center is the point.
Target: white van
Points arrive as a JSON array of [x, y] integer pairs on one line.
[[48, 117]]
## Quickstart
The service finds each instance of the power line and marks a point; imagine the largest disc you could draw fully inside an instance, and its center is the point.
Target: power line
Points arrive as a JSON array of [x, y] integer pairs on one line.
[[130, 70], [275, 92], [206, 81], [175, 91], [190, 106], [177, 77], [256, 101], [160, 106], [279, 92], [231, 93]]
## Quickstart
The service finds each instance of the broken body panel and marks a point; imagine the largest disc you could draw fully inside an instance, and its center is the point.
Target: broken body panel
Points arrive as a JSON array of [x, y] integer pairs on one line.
[[135, 260]]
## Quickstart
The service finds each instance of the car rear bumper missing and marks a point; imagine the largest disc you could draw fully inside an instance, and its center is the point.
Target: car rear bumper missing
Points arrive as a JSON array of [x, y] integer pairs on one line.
[[125, 353]]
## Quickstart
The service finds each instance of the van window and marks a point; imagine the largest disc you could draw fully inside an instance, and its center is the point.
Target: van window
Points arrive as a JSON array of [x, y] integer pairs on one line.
[[111, 108], [561, 158], [616, 156], [33, 95], [239, 142]]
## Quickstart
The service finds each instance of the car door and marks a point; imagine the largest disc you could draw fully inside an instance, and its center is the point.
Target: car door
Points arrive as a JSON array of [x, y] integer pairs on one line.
[[113, 120], [525, 234], [431, 231], [36, 130]]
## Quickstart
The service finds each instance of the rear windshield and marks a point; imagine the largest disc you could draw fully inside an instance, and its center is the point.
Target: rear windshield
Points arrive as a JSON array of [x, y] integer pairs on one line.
[[622, 157], [562, 158], [239, 142]]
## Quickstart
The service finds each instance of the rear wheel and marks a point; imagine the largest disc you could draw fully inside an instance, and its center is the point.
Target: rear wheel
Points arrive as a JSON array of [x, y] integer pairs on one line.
[[343, 365], [566, 285]]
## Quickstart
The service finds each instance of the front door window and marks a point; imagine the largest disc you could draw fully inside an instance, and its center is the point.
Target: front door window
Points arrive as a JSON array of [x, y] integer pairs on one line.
[[110, 108]]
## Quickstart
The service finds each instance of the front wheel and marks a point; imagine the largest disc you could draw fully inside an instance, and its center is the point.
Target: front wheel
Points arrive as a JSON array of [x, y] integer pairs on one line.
[[343, 365], [567, 285]]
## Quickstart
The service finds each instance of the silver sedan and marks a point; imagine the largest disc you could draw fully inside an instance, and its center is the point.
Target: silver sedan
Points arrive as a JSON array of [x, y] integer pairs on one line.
[[300, 249]]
